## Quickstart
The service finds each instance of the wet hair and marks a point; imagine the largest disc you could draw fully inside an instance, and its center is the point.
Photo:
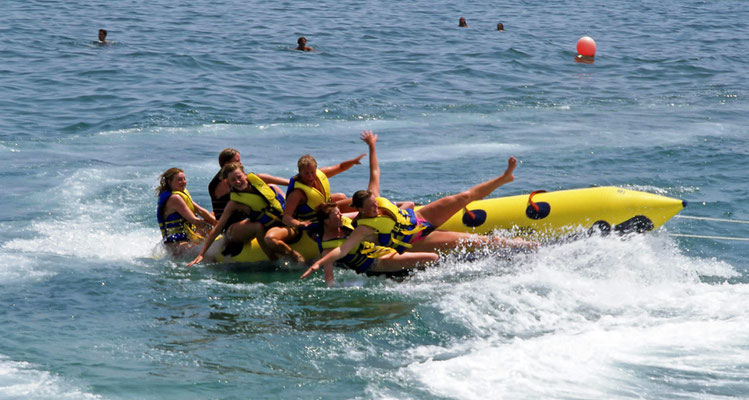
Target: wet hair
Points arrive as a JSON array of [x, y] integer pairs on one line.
[[500, 27], [357, 200], [299, 41], [323, 212], [165, 178], [103, 31], [226, 155], [229, 168], [306, 160]]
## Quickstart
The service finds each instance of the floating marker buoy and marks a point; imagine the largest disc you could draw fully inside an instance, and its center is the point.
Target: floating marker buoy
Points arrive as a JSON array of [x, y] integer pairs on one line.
[[586, 46]]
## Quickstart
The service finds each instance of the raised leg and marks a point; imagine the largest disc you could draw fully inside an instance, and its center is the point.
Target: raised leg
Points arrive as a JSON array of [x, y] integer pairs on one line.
[[437, 212]]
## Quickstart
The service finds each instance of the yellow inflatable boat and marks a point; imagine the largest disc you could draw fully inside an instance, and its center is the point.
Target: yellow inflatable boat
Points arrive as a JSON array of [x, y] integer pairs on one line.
[[536, 215]]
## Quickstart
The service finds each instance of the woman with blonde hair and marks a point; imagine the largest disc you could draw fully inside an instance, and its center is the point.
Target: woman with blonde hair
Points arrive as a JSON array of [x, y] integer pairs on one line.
[[177, 214]]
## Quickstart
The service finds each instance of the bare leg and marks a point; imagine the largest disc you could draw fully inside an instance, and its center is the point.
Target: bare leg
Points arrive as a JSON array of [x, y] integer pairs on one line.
[[439, 211], [276, 240], [448, 240], [243, 231], [399, 262]]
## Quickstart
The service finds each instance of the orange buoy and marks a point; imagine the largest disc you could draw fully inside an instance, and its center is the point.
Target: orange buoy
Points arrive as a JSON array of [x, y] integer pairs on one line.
[[586, 46]]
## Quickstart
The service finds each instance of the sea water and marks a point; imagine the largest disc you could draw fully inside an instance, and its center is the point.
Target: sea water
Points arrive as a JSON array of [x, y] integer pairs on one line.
[[90, 308]]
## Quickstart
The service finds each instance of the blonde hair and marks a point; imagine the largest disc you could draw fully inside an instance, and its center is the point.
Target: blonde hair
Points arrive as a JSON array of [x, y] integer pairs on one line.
[[165, 178], [306, 160]]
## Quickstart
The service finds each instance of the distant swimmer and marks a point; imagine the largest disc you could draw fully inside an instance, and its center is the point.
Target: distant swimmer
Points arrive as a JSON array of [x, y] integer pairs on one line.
[[462, 23], [177, 214], [302, 44], [102, 37], [500, 27]]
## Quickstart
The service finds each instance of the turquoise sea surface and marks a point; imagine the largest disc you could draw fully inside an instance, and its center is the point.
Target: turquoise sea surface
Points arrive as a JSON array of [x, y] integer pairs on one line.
[[90, 308]]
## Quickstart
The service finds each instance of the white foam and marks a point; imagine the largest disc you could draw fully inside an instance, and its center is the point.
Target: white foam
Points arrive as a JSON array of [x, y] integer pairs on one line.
[[587, 319], [81, 227], [16, 268], [24, 381]]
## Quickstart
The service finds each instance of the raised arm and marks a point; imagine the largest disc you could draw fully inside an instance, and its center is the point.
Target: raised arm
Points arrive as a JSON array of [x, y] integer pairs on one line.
[[334, 170], [374, 167], [273, 179]]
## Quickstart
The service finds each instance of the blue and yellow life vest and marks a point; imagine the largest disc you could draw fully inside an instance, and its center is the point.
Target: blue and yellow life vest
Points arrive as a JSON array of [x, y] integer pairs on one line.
[[396, 228], [173, 227], [361, 258], [308, 210], [266, 206]]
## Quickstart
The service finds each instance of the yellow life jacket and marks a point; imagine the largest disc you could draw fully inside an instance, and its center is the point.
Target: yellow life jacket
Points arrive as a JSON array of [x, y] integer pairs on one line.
[[265, 207], [173, 227], [307, 211], [395, 228], [361, 257]]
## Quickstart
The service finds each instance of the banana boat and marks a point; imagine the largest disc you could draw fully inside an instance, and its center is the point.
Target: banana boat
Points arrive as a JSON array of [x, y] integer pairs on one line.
[[536, 215]]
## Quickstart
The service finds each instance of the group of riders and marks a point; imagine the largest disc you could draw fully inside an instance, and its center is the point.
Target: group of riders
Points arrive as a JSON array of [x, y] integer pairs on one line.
[[366, 233]]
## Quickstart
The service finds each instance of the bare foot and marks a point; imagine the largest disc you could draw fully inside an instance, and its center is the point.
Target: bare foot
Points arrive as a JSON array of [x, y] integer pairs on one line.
[[507, 177]]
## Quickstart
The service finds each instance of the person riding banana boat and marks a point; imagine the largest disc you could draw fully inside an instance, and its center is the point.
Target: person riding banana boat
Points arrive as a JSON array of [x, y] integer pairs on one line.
[[367, 257], [383, 223], [177, 214], [306, 192], [251, 195], [236, 230]]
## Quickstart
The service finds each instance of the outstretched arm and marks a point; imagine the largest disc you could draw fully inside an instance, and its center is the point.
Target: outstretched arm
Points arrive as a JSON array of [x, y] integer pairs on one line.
[[207, 215], [374, 167], [176, 203], [230, 207], [327, 268], [273, 179], [334, 170], [336, 254]]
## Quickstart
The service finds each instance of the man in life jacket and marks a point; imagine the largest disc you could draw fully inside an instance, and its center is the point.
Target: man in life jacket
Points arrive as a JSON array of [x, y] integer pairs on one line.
[[306, 192]]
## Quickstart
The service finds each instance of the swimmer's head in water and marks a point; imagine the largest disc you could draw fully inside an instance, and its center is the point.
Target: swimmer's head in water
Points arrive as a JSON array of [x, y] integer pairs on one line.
[[302, 41], [102, 35], [500, 27], [462, 23]]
